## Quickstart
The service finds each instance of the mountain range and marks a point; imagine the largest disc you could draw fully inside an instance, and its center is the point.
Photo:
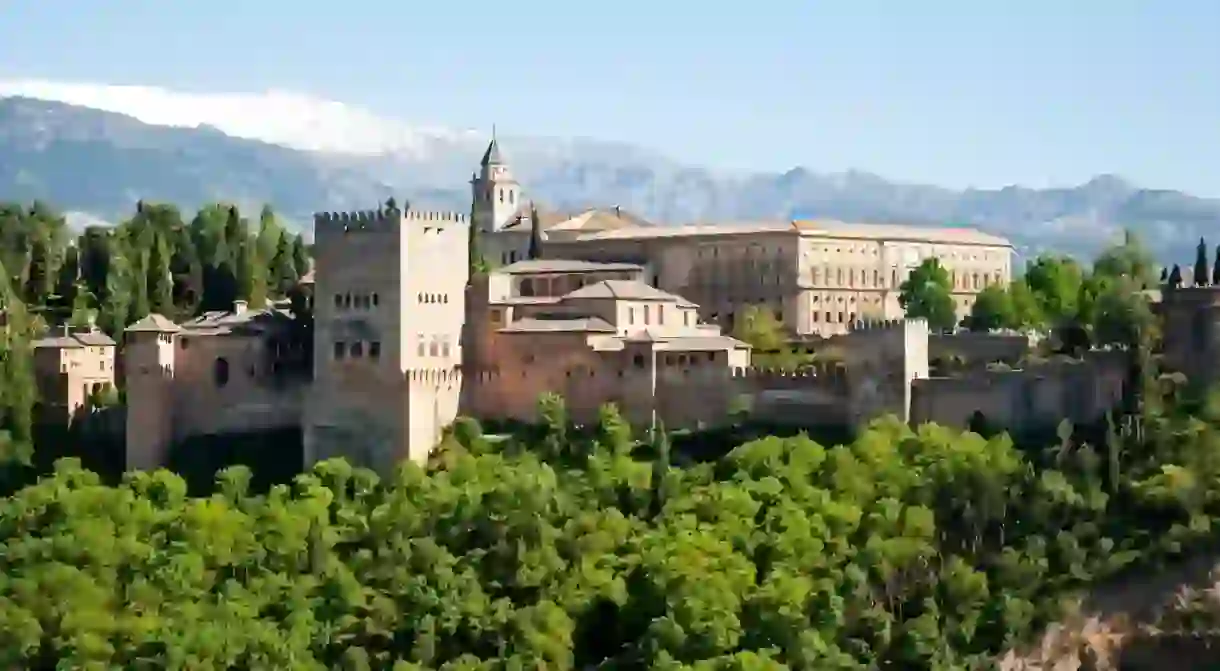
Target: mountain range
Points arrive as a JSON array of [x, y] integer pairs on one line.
[[95, 150]]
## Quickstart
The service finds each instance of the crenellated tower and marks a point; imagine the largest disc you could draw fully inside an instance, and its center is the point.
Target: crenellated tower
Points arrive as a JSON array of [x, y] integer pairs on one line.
[[389, 306]]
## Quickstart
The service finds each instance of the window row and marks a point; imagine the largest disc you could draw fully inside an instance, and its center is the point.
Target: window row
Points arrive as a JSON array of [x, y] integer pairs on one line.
[[433, 298], [349, 301], [660, 314], [356, 350], [433, 348]]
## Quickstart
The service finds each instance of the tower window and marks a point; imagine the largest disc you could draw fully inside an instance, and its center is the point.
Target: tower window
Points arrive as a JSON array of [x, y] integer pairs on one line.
[[501, 195], [338, 300], [375, 350], [357, 349], [376, 300], [221, 372], [340, 349], [511, 196]]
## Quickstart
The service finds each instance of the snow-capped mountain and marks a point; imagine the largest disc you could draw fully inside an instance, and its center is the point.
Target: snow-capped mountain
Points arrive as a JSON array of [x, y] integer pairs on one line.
[[96, 149], [277, 117]]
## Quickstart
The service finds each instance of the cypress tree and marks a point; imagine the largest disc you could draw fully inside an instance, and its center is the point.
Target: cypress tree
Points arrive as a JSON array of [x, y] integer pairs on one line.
[[535, 248], [300, 256], [1175, 277], [1216, 268], [159, 279], [1201, 274]]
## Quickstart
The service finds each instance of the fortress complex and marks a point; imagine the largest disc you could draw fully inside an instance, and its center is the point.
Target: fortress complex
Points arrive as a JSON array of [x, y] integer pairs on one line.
[[817, 276], [403, 340]]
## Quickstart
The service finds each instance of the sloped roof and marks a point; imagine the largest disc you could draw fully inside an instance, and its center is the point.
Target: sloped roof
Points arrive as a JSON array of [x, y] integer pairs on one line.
[[559, 325], [805, 227], [532, 266], [225, 321], [74, 340], [626, 290], [593, 219], [153, 323], [492, 155]]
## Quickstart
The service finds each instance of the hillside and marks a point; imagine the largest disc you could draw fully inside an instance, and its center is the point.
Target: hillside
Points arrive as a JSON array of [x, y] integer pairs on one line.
[[100, 163]]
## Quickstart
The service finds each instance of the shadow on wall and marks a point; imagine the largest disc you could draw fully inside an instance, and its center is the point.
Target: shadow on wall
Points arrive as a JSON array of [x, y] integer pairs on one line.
[[274, 457]]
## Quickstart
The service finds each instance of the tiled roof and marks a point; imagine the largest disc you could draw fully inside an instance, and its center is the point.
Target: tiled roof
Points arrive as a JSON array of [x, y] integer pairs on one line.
[[563, 266], [559, 325], [249, 321], [73, 340], [626, 290], [594, 219], [153, 323], [808, 228]]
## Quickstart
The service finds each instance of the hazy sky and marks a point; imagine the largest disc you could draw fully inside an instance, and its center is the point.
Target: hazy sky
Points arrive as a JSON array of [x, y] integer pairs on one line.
[[954, 92]]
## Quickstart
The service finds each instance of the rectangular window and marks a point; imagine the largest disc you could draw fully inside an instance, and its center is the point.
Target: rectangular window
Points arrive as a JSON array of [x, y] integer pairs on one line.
[[338, 300], [374, 350], [357, 349], [340, 349]]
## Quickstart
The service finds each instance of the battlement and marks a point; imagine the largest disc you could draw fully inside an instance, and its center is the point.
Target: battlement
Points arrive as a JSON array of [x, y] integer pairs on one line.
[[382, 220], [886, 324], [434, 375]]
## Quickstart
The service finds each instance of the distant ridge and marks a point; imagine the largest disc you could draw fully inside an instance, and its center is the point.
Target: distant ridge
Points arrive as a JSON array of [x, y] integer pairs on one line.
[[99, 163]]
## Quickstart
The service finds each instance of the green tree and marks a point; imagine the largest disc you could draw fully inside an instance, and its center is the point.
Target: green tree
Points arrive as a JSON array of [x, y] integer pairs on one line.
[[1127, 259], [159, 278], [283, 273], [300, 256], [1201, 273], [927, 294], [992, 309], [1055, 283], [1216, 268]]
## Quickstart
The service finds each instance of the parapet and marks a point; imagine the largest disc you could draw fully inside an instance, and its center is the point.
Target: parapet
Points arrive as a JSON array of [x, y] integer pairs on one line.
[[381, 220], [887, 324]]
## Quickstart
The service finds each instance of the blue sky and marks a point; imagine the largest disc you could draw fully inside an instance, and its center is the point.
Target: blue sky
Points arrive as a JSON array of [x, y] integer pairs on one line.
[[952, 92]]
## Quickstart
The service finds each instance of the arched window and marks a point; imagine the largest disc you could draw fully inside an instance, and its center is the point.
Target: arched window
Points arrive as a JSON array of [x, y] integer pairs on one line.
[[221, 372], [512, 195], [501, 195]]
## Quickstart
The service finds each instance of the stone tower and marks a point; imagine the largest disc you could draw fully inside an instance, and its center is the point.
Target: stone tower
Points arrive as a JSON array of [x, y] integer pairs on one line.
[[148, 362], [389, 306], [495, 193]]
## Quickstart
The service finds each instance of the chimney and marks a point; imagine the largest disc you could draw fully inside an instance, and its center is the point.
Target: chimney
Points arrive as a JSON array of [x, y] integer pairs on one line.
[[239, 307]]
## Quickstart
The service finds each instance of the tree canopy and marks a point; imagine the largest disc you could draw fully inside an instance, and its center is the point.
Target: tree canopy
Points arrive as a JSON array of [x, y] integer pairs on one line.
[[927, 293]]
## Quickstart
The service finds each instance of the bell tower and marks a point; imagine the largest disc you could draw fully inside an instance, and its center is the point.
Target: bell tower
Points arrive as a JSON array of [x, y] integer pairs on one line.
[[495, 193]]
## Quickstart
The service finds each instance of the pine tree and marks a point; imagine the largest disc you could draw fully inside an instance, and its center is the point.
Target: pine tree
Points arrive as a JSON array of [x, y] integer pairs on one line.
[[38, 281], [18, 392], [269, 234], [1201, 272], [66, 287], [159, 278], [234, 230], [660, 467], [112, 315], [283, 274], [187, 271], [300, 256]]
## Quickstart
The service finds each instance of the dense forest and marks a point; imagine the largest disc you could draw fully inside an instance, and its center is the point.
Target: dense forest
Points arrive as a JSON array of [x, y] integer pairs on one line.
[[577, 547], [562, 546], [155, 261]]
